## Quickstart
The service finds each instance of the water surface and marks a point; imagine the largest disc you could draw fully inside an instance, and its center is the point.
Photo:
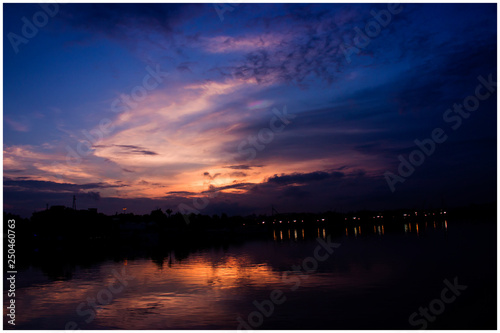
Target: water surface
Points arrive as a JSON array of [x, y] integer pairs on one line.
[[373, 280]]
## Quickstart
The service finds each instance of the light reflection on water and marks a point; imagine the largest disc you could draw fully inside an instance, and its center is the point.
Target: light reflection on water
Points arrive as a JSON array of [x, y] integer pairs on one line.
[[176, 296], [211, 288]]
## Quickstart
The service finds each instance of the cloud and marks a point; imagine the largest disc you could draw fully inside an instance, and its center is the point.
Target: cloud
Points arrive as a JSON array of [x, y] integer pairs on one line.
[[180, 193], [229, 44], [95, 196], [239, 167], [207, 174], [301, 178], [122, 21], [129, 149], [295, 192], [48, 186], [238, 174], [16, 125], [309, 46], [239, 186]]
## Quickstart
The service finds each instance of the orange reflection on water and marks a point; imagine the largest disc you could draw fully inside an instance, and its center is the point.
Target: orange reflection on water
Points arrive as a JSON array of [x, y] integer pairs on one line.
[[198, 287]]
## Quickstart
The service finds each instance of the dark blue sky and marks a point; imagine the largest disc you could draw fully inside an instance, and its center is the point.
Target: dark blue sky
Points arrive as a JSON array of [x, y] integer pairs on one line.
[[155, 105]]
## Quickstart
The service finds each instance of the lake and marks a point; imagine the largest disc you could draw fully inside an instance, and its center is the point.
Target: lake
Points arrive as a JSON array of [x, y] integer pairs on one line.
[[372, 279]]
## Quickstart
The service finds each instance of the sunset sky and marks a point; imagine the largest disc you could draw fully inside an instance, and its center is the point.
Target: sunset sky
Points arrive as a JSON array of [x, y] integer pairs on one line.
[[150, 106]]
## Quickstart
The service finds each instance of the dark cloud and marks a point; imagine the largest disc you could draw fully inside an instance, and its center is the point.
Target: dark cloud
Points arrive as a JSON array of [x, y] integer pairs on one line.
[[96, 196], [181, 193], [207, 174], [118, 20], [239, 186], [301, 178], [310, 46], [242, 167], [48, 186], [136, 150], [129, 149], [295, 192], [185, 67], [238, 174]]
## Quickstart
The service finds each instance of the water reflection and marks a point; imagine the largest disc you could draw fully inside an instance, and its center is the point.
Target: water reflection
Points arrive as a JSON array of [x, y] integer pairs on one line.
[[420, 228], [297, 234], [154, 297], [210, 288]]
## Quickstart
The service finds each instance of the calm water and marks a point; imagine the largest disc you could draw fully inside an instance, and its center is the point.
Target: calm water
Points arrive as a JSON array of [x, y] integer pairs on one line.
[[375, 279]]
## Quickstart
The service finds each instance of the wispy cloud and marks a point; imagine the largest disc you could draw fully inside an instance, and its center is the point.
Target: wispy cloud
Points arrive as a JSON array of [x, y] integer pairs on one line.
[[17, 125]]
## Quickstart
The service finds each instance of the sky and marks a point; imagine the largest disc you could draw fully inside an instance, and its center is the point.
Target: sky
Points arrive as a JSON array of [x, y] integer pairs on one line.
[[233, 108]]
